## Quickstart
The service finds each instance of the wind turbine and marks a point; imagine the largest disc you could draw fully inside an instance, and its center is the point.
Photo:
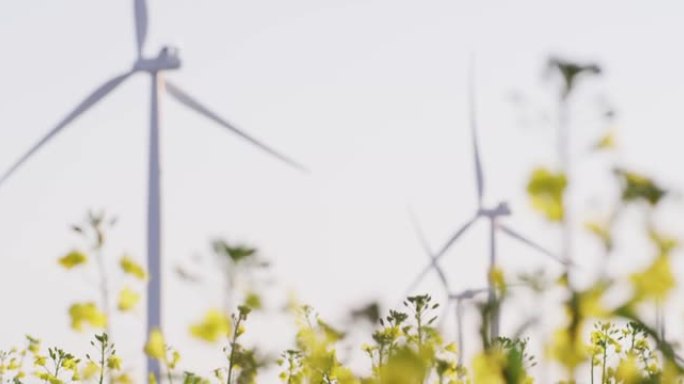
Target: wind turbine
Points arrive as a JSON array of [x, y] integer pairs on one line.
[[491, 214], [458, 297], [166, 60]]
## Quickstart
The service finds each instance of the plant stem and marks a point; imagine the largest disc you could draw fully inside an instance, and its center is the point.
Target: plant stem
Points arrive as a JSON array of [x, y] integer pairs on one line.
[[102, 361], [605, 357], [233, 344]]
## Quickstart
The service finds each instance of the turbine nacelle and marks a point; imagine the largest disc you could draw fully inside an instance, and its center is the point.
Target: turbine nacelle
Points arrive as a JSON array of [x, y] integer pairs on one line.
[[500, 210], [167, 59]]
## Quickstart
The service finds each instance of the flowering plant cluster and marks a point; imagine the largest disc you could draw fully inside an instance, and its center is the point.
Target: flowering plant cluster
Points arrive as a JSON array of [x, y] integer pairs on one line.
[[605, 335]]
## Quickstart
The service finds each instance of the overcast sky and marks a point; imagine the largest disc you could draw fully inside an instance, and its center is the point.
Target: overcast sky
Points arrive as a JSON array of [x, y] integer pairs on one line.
[[369, 94]]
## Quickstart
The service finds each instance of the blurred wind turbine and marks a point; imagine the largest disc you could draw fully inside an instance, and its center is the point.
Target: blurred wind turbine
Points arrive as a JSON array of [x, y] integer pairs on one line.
[[166, 60], [456, 298], [493, 215]]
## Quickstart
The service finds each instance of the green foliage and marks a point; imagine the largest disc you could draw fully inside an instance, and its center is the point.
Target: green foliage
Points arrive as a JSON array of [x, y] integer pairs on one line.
[[571, 72], [636, 187]]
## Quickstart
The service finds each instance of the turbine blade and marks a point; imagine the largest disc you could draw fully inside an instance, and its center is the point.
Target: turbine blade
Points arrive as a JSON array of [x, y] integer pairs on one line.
[[185, 99], [140, 25], [88, 102], [440, 254], [456, 236], [426, 247], [468, 293], [472, 101], [417, 228], [517, 236]]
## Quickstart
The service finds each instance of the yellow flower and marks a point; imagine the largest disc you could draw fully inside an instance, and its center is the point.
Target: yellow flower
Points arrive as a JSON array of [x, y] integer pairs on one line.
[[90, 370], [70, 364], [13, 365], [34, 345], [114, 362], [591, 302], [175, 359], [569, 351], [151, 378], [123, 379], [253, 300], [496, 276], [86, 313], [128, 299], [39, 361], [606, 142], [73, 259], [487, 368], [212, 328], [131, 267], [655, 282], [546, 190], [156, 346]]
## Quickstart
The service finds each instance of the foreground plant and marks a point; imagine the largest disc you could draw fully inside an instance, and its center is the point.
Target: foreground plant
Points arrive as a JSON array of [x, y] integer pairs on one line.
[[98, 314]]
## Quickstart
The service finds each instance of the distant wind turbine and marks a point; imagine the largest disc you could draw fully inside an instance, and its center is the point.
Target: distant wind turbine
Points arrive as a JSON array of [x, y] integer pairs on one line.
[[452, 297], [493, 215], [166, 60], [458, 297]]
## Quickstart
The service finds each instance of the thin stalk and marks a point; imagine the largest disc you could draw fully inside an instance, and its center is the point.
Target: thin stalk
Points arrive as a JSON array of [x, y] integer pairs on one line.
[[104, 290], [233, 343], [168, 375], [565, 167], [605, 358], [102, 361]]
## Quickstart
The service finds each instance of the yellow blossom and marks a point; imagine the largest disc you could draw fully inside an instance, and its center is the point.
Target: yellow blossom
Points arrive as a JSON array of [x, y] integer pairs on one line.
[[487, 368], [546, 190], [655, 282], [591, 302], [607, 141], [86, 313], [128, 299], [212, 328], [114, 362], [90, 370], [131, 267], [496, 276], [39, 361], [569, 351], [73, 259], [156, 346], [123, 379], [151, 378]]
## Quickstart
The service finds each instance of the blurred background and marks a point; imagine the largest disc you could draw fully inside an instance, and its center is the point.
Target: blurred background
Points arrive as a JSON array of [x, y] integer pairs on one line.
[[370, 95]]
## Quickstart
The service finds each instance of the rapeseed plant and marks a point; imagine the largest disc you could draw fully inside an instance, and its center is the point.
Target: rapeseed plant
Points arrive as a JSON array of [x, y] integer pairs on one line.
[[597, 341]]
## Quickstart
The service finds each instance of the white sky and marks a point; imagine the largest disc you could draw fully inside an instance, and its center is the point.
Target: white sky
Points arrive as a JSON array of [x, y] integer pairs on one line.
[[370, 94]]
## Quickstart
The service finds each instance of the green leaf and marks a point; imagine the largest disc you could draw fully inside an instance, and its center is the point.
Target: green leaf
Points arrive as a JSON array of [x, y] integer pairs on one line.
[[636, 187]]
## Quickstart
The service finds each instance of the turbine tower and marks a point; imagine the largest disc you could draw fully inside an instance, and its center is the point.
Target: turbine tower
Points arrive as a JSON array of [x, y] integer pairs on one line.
[[492, 214], [166, 60]]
